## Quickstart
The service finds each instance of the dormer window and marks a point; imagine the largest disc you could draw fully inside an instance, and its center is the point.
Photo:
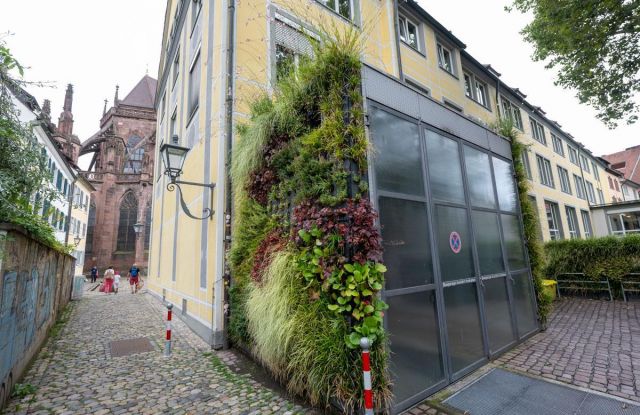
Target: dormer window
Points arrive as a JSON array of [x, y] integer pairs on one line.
[[446, 59], [409, 32]]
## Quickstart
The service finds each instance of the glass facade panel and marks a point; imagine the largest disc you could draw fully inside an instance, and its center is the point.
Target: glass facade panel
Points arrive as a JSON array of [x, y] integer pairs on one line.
[[488, 242], [398, 161], [454, 243], [405, 236], [479, 177], [416, 361], [524, 304], [513, 242], [463, 325], [444, 167], [505, 184], [497, 313]]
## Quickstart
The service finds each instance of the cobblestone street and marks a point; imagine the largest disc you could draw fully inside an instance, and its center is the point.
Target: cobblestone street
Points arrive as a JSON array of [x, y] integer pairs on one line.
[[589, 343], [76, 374]]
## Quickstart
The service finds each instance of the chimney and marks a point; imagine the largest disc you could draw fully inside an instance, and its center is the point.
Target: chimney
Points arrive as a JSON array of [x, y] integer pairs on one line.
[[115, 98]]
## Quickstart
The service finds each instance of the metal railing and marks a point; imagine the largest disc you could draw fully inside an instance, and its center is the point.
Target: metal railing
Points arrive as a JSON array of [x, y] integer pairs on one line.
[[630, 284], [578, 281]]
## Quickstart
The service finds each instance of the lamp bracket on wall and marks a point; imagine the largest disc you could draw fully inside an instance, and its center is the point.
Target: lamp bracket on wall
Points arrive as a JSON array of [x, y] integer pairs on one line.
[[207, 212]]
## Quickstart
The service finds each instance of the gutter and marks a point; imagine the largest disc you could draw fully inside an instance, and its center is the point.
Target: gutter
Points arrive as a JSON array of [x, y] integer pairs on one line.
[[396, 19]]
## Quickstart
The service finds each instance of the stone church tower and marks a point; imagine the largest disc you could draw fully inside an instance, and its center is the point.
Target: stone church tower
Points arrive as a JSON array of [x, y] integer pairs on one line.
[[63, 135], [121, 170]]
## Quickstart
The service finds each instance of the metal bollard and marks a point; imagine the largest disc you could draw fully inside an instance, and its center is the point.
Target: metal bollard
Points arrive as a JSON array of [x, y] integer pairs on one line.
[[167, 344], [366, 372]]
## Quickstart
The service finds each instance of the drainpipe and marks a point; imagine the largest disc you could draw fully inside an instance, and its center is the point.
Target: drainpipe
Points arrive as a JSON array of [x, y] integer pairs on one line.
[[228, 151], [396, 19]]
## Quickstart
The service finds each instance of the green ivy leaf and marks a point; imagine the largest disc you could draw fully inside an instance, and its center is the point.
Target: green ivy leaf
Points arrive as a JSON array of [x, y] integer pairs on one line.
[[332, 307], [349, 267], [380, 268], [369, 309]]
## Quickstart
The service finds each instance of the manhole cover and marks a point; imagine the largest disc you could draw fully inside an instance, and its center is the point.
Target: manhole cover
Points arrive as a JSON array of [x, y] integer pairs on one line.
[[130, 346]]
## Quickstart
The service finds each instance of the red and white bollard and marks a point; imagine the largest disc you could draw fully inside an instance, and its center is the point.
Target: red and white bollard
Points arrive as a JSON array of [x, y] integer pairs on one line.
[[366, 372], [167, 344]]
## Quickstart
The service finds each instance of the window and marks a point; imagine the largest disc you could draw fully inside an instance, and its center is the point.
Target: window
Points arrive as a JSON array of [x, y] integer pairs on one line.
[[476, 89], [610, 182], [194, 86], [537, 131], [595, 170], [585, 164], [84, 230], [176, 68], [586, 224], [553, 219], [286, 61], [196, 6], [172, 126], [544, 169], [580, 190], [134, 156], [409, 32], [572, 221], [527, 164], [445, 59], [512, 112], [59, 181], [573, 155], [565, 184], [591, 195], [558, 147], [600, 197], [128, 216], [624, 223], [615, 182], [342, 7]]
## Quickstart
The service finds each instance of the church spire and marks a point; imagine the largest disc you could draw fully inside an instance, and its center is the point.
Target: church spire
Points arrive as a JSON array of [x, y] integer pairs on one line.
[[46, 109], [68, 98]]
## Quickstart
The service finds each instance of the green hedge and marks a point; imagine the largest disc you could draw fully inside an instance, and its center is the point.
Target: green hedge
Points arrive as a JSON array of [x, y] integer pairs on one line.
[[610, 256]]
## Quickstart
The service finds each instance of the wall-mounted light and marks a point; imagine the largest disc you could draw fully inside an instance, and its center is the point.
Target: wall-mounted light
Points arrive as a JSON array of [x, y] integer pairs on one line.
[[77, 240], [173, 157], [137, 228]]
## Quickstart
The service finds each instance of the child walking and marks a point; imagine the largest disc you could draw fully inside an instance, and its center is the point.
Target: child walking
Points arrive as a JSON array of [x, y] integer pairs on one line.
[[116, 282]]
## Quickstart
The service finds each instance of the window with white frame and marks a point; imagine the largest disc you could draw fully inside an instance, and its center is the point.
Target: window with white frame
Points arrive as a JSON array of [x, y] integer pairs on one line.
[[176, 67], [194, 86], [343, 7], [591, 194], [446, 59], [409, 33], [573, 155], [537, 131], [595, 170], [600, 197], [553, 220], [196, 6], [511, 111], [544, 169], [526, 164], [580, 190], [586, 224], [572, 222], [565, 183], [476, 89], [558, 147], [585, 164], [625, 223]]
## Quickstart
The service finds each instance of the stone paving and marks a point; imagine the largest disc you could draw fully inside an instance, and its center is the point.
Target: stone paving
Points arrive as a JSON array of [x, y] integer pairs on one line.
[[589, 343], [75, 373]]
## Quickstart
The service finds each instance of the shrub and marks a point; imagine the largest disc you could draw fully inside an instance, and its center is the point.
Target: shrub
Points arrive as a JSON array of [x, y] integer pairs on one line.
[[609, 256]]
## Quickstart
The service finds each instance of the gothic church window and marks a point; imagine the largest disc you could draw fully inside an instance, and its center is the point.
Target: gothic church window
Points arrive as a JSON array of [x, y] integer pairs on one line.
[[133, 163], [128, 216]]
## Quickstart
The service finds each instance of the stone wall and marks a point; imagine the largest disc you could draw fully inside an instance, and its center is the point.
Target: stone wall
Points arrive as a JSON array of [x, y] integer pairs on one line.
[[35, 285]]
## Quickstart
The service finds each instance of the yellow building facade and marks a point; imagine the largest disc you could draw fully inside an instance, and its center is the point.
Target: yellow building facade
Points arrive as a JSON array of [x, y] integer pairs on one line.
[[218, 56]]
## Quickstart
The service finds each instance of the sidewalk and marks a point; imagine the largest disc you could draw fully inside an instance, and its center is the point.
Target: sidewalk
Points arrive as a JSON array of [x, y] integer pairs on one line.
[[75, 373]]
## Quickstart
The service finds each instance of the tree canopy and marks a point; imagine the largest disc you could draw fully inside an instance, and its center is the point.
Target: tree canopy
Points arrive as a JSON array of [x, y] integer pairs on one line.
[[595, 46], [23, 169]]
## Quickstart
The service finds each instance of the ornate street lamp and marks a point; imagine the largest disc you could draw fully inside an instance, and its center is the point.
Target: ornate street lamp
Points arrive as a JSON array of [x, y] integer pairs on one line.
[[173, 157], [77, 240], [137, 228]]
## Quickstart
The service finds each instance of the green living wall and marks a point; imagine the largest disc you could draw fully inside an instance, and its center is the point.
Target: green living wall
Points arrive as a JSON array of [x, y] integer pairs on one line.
[[306, 256]]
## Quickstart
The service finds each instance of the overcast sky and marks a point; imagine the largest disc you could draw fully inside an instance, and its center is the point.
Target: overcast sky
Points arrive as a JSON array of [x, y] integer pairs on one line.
[[98, 44]]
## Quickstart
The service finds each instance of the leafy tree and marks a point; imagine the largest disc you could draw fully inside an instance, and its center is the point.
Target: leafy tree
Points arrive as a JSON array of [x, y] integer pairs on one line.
[[23, 169], [595, 46]]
